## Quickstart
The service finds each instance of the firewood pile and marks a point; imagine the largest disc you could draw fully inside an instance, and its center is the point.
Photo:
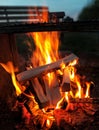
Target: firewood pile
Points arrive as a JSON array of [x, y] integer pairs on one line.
[[79, 113]]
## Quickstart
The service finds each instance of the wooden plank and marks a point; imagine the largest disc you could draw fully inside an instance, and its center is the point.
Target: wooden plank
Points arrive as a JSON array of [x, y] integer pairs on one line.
[[23, 7], [20, 17], [27, 12], [21, 13], [39, 91]]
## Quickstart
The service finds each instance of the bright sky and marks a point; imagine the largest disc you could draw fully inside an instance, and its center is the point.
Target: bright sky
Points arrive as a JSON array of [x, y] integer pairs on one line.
[[71, 7]]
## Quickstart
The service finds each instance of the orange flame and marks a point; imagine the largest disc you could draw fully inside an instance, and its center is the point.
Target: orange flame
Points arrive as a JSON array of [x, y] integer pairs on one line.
[[9, 67], [75, 78], [46, 51], [87, 94], [80, 93], [66, 96], [46, 48]]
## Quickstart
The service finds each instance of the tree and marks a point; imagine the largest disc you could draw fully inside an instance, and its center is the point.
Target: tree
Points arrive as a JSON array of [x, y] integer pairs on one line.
[[90, 12]]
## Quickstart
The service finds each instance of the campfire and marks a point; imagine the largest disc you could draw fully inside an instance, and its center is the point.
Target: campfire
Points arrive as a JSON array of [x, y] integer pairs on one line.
[[51, 91]]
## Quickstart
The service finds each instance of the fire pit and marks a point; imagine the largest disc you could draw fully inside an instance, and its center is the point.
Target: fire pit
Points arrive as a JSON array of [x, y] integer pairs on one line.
[[53, 92]]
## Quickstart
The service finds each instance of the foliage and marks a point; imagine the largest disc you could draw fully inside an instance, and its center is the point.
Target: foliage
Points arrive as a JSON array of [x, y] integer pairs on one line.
[[80, 42], [90, 12]]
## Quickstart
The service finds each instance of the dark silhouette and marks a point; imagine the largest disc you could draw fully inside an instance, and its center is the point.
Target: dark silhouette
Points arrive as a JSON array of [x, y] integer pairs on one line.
[[90, 12]]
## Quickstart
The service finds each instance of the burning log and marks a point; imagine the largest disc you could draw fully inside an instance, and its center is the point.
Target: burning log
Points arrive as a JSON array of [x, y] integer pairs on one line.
[[29, 74], [65, 86], [52, 92], [44, 94], [39, 93]]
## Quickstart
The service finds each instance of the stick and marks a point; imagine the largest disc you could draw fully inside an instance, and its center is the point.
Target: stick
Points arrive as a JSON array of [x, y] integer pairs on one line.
[[28, 74]]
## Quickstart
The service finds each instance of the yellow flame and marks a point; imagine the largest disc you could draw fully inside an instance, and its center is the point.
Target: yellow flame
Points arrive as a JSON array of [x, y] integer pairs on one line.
[[48, 123], [9, 67], [74, 62], [59, 102], [46, 47], [46, 51], [87, 95], [75, 78], [66, 96], [78, 94]]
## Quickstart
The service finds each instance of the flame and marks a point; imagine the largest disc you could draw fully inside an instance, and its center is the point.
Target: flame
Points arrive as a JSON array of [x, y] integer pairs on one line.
[[78, 94], [9, 67], [76, 79], [38, 15], [46, 48], [47, 44], [72, 69], [48, 117], [48, 123], [59, 102], [66, 96], [46, 51], [87, 95]]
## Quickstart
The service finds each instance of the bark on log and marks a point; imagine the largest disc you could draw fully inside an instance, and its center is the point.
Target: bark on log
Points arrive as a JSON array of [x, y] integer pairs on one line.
[[26, 75]]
